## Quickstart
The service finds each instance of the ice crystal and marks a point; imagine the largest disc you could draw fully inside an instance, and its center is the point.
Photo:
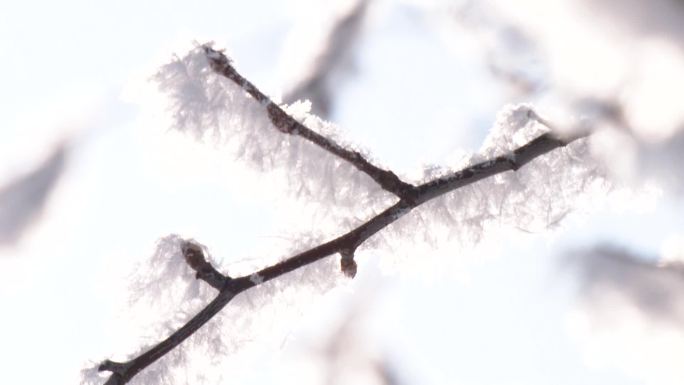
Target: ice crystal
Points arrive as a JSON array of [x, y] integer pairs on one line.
[[210, 106]]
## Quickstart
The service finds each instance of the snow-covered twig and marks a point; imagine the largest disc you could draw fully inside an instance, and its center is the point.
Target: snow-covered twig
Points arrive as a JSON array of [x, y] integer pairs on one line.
[[289, 125], [345, 244]]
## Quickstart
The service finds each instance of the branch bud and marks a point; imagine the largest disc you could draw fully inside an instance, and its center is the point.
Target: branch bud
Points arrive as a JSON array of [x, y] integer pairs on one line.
[[347, 263], [194, 256]]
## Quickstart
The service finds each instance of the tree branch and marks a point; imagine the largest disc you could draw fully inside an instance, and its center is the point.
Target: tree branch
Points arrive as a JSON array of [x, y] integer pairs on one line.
[[128, 369], [289, 125], [345, 244]]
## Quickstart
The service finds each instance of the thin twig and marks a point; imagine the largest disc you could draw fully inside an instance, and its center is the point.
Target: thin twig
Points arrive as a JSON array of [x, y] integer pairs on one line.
[[289, 125], [330, 61]]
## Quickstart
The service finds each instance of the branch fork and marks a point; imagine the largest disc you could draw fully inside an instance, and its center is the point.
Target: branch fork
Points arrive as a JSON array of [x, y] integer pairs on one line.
[[410, 197]]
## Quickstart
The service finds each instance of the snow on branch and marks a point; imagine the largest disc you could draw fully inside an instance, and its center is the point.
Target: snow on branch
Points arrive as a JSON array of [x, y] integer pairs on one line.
[[179, 265], [194, 256], [511, 161], [534, 198], [174, 272], [289, 125], [343, 245]]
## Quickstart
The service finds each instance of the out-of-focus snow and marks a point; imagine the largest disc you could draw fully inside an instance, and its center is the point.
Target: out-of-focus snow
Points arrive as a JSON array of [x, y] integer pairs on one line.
[[535, 198], [630, 314], [165, 295]]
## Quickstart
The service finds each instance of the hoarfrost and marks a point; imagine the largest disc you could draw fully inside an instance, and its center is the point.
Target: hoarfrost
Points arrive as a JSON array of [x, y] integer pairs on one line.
[[211, 107], [164, 295], [91, 376], [166, 278], [515, 126], [265, 315], [532, 199], [197, 360], [277, 304]]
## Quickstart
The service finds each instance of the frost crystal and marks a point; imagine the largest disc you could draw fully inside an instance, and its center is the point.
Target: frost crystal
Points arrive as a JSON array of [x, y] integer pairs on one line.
[[166, 294], [182, 365], [533, 198], [210, 106], [91, 376], [169, 295], [515, 125]]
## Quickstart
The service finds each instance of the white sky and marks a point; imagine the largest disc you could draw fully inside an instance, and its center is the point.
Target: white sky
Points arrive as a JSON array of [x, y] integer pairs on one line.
[[501, 315]]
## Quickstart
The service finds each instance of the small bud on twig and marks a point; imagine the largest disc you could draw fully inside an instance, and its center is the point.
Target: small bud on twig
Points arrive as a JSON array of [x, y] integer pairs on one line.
[[111, 366], [347, 263], [194, 256], [217, 59]]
